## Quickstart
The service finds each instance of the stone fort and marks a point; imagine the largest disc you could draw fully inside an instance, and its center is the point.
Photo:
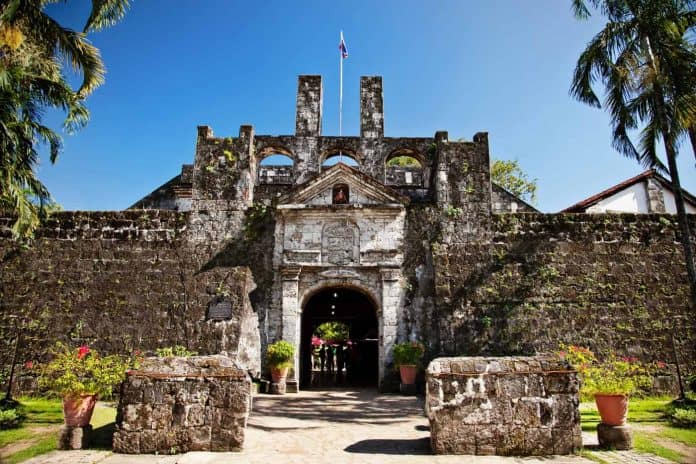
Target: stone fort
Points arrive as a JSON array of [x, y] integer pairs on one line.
[[237, 252]]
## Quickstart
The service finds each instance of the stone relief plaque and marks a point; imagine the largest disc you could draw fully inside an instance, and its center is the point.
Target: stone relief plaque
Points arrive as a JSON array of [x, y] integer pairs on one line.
[[339, 274], [340, 243], [220, 310]]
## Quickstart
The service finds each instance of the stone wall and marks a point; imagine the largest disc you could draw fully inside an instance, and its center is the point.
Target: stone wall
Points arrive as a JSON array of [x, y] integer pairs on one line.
[[282, 175], [403, 176], [610, 282], [175, 405], [503, 406], [123, 281]]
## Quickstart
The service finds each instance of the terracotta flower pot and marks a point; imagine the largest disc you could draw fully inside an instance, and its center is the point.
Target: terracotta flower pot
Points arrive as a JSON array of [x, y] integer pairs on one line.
[[77, 409], [408, 373], [613, 409], [278, 375]]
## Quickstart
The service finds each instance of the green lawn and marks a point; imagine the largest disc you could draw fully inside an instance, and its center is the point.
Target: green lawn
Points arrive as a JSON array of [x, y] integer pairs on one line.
[[40, 429], [652, 432]]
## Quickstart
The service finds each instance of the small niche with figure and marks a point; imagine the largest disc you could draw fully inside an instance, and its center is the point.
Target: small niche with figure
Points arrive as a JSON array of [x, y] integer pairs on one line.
[[341, 194]]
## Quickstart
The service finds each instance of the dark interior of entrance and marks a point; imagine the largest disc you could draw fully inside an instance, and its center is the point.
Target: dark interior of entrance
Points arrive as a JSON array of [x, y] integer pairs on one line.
[[360, 353]]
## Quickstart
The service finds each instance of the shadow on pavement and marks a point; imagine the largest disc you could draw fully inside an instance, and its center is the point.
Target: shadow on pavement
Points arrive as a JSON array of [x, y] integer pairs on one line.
[[339, 406], [391, 446]]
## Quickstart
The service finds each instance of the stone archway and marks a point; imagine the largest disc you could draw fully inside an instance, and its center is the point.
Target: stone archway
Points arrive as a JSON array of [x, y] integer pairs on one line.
[[361, 356]]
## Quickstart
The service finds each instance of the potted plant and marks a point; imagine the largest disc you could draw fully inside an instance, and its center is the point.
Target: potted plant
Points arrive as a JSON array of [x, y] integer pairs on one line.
[[280, 356], [407, 357], [610, 382], [79, 376]]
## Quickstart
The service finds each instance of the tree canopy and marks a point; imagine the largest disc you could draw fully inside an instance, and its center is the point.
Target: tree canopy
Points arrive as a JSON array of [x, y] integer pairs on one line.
[[34, 52], [645, 58], [510, 176]]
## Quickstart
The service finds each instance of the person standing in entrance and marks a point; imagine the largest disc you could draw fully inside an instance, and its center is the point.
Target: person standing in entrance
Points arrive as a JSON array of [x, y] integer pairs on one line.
[[329, 358], [322, 356]]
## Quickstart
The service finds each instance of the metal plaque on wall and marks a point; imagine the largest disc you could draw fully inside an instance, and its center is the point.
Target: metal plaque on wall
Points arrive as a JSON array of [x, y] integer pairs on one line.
[[220, 310]]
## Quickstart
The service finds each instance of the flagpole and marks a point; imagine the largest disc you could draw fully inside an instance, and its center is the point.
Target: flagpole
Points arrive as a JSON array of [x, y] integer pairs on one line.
[[340, 100]]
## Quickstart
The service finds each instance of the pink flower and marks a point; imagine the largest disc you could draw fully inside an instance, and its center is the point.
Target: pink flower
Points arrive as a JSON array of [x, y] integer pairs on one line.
[[29, 364], [82, 351], [661, 364]]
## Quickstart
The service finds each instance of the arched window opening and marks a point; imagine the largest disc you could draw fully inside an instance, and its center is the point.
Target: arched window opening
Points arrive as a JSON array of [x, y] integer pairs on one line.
[[340, 158], [340, 194], [404, 161], [276, 168], [404, 170]]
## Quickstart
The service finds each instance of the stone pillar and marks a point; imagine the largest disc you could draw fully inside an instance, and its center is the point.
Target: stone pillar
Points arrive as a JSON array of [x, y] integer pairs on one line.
[[291, 312], [309, 106], [371, 107], [656, 199], [441, 179], [391, 297]]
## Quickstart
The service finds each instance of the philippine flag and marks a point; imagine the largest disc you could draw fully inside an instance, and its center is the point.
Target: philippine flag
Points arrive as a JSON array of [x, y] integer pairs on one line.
[[342, 47]]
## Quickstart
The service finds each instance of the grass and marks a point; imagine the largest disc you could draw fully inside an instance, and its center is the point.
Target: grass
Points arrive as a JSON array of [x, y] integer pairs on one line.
[[42, 413], [644, 443], [46, 444], [685, 436]]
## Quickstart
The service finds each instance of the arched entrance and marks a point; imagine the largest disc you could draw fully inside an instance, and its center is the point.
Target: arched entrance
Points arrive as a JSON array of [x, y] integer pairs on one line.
[[359, 355]]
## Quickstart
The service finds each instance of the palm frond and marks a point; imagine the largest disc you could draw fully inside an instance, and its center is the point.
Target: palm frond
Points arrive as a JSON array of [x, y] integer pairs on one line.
[[106, 13]]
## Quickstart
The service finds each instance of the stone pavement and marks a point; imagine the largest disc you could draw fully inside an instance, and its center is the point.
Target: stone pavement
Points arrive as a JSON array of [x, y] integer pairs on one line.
[[333, 426]]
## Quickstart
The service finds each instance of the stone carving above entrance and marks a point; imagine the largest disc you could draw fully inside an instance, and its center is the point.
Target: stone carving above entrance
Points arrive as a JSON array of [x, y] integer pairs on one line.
[[340, 243], [339, 274]]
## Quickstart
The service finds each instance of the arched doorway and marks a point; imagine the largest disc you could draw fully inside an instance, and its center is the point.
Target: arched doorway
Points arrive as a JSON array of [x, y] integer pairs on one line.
[[359, 354]]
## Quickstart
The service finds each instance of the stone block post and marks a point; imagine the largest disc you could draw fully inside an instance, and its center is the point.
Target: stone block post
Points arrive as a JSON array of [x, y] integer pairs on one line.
[[507, 406], [309, 106], [371, 107], [175, 405]]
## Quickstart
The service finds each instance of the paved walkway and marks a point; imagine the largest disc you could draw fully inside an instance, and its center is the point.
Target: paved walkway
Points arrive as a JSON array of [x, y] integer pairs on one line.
[[326, 427]]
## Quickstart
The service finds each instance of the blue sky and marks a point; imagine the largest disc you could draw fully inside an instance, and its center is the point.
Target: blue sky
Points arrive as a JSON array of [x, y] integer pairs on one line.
[[502, 66]]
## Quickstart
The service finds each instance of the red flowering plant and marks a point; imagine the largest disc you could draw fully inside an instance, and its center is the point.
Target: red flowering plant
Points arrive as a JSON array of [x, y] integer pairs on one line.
[[613, 376], [81, 371]]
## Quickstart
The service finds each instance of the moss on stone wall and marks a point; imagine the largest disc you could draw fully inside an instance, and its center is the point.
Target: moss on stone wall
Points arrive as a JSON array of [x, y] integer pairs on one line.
[[610, 282]]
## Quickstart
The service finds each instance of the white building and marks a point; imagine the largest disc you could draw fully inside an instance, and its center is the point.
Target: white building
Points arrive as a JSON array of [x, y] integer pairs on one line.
[[648, 192]]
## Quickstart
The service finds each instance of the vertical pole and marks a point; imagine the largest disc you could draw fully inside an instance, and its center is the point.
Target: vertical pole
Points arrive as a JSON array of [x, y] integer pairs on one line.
[[682, 396], [340, 98]]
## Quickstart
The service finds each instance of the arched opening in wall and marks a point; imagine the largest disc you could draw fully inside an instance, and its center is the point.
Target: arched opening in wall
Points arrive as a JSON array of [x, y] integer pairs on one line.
[[340, 157], [276, 168], [341, 322], [404, 169]]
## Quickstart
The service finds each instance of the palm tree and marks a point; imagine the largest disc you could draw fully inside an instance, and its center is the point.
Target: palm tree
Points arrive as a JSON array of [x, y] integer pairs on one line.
[[647, 65], [32, 47]]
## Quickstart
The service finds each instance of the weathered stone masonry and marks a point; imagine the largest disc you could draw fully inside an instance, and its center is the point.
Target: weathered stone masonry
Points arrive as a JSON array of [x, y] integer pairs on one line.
[[430, 249], [175, 405], [123, 281], [526, 405]]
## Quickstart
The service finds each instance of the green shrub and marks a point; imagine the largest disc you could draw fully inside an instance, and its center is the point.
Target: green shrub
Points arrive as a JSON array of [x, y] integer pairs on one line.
[[682, 413], [280, 354], [409, 353], [683, 417], [11, 418], [177, 350]]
